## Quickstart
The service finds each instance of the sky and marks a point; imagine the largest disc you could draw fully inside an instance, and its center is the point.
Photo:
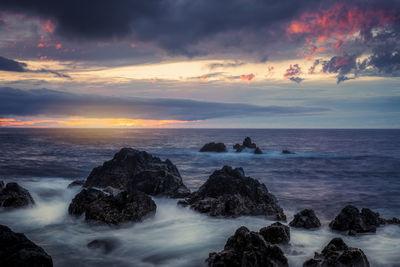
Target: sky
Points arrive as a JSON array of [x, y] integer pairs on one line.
[[200, 64]]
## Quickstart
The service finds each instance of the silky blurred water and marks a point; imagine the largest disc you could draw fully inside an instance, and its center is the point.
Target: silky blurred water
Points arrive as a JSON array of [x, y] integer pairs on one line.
[[331, 168]]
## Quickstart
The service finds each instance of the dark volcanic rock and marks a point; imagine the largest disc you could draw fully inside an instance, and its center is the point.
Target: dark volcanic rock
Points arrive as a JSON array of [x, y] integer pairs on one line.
[[228, 192], [247, 248], [13, 196], [285, 151], [213, 147], [16, 250], [131, 169], [305, 219], [257, 151], [105, 245], [350, 218], [393, 220], [247, 143], [102, 207], [338, 254], [276, 233], [76, 183]]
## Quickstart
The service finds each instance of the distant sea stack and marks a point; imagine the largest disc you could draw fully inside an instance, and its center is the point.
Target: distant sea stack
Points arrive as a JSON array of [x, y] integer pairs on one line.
[[247, 143], [214, 147], [131, 170], [228, 192]]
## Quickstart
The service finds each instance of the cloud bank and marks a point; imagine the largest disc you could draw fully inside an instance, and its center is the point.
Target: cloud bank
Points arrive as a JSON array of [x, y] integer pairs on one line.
[[16, 102]]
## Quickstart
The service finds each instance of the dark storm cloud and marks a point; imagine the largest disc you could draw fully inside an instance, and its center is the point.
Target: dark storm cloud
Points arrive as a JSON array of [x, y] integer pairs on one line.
[[386, 60], [11, 65], [15, 66], [15, 102], [173, 25]]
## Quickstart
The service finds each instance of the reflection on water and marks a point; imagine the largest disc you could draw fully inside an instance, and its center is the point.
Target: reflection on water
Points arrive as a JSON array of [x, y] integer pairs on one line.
[[331, 168]]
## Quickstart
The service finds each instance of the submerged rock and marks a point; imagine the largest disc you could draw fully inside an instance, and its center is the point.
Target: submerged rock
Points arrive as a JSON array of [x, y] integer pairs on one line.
[[393, 220], [131, 170], [13, 196], [247, 143], [338, 254], [105, 245], [228, 192], [76, 183], [285, 151], [276, 233], [213, 147], [102, 207], [350, 218], [305, 219], [246, 248], [17, 250]]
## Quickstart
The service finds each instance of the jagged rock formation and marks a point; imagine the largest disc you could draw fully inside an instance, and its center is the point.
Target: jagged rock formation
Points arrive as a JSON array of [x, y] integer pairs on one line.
[[17, 250], [107, 208], [338, 254], [14, 196], [245, 249], [131, 170], [228, 192], [305, 219]]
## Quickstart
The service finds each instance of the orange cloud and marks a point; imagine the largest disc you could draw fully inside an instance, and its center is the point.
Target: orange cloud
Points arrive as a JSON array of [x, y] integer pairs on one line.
[[48, 26], [330, 28], [89, 122], [247, 77]]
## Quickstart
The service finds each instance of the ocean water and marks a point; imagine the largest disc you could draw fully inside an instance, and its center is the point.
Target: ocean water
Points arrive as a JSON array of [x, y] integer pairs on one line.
[[331, 168]]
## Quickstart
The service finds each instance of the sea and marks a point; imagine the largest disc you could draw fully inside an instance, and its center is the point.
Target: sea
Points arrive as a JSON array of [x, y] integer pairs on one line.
[[331, 168]]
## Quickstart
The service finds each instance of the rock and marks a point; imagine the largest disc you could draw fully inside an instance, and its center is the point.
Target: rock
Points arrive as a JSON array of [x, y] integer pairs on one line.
[[350, 218], [285, 151], [276, 233], [305, 219], [338, 254], [247, 143], [393, 220], [213, 147], [17, 250], [247, 248], [228, 192], [76, 183], [13, 196], [102, 207], [352, 233], [105, 245], [257, 151], [131, 170]]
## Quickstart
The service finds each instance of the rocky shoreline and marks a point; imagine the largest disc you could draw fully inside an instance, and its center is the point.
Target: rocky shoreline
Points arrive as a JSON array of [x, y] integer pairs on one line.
[[121, 191]]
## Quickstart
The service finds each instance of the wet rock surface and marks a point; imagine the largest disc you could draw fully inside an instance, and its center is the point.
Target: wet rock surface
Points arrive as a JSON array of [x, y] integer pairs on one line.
[[247, 143], [107, 208], [351, 219], [246, 248], [13, 195], [305, 219], [276, 233], [285, 151], [131, 170], [338, 254], [228, 192], [214, 147], [76, 183], [16, 250]]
